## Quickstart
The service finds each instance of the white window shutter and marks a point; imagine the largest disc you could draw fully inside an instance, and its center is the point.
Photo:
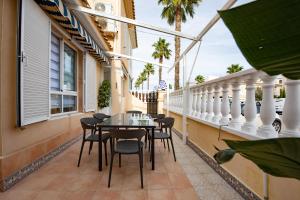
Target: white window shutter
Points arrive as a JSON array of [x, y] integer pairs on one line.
[[35, 65], [90, 84]]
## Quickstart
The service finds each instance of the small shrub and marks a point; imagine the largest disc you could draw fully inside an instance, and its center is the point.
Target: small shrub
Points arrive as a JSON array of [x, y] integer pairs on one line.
[[104, 94]]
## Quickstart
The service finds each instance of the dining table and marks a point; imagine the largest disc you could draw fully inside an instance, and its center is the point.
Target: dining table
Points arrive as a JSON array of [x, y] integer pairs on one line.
[[128, 121]]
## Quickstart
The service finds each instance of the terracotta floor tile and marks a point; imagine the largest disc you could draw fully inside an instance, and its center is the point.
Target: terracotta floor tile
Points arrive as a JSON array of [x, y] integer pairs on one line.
[[158, 181], [165, 194], [60, 178], [134, 195], [186, 194], [179, 180]]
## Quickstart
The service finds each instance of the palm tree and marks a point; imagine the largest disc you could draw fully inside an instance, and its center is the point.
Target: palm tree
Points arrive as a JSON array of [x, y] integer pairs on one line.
[[234, 68], [143, 78], [137, 83], [199, 79], [149, 69], [161, 51], [176, 11]]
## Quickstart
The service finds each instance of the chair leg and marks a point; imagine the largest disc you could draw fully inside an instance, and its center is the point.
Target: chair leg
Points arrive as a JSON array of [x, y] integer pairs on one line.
[[80, 154], [173, 149], [141, 168], [168, 144], [110, 168], [119, 160], [146, 137], [164, 143], [91, 146], [105, 152]]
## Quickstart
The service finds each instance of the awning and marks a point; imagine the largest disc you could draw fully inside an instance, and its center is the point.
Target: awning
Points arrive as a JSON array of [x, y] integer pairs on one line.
[[268, 34], [60, 13]]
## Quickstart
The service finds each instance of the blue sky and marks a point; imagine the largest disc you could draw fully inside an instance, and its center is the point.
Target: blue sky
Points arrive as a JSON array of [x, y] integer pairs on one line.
[[218, 49]]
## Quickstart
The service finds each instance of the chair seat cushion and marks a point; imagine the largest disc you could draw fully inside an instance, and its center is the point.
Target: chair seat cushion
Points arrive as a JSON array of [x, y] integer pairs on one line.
[[160, 135], [128, 146], [95, 137]]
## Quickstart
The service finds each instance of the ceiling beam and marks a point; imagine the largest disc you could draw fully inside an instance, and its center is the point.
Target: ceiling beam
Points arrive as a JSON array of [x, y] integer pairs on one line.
[[135, 58], [130, 21]]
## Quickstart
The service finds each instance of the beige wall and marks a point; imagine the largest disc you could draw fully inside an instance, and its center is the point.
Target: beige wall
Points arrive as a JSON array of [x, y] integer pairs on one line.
[[20, 146], [205, 138]]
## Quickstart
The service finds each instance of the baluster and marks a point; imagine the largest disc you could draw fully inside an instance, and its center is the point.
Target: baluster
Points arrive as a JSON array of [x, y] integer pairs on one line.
[[193, 110], [291, 109], [203, 103], [224, 105], [217, 104], [267, 111], [236, 105], [209, 105], [250, 109], [198, 103]]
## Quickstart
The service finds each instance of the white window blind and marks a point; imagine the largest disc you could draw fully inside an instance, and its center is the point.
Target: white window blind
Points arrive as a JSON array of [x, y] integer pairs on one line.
[[35, 65], [90, 83]]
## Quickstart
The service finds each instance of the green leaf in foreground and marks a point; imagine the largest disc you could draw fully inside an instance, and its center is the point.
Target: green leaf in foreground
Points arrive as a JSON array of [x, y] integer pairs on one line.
[[277, 157]]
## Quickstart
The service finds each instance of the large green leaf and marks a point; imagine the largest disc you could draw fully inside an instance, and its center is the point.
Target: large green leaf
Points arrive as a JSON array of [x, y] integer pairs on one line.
[[278, 156], [268, 34]]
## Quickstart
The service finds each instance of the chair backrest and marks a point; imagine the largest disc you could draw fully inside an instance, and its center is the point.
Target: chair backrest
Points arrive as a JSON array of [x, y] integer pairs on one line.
[[101, 116], [161, 116], [167, 122], [88, 123], [128, 134], [134, 111]]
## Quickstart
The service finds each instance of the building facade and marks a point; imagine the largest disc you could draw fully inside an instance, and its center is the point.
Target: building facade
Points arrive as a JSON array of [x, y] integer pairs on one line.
[[52, 62]]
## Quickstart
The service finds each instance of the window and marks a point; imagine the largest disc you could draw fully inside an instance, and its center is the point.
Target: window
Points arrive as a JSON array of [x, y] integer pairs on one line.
[[63, 77]]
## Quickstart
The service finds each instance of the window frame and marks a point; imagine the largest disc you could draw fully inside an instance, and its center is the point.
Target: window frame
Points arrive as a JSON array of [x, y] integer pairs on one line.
[[62, 92]]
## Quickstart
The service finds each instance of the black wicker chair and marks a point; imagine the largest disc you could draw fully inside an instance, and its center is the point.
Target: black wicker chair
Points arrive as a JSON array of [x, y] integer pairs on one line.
[[90, 123], [166, 132], [127, 142]]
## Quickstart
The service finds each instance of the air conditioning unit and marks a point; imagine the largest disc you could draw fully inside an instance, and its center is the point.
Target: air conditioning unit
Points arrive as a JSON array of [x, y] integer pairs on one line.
[[107, 25]]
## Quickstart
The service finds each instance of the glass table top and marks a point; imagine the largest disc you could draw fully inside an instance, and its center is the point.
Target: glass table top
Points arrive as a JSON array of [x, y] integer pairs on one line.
[[129, 120]]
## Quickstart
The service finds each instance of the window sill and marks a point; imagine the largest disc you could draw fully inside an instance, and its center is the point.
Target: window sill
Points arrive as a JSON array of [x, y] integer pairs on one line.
[[64, 115]]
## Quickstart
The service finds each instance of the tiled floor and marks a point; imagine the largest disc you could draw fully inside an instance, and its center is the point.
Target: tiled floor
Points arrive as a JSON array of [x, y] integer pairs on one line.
[[187, 179]]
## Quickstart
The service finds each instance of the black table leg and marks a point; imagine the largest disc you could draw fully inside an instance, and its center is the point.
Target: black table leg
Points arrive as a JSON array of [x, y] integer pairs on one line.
[[100, 150], [152, 150]]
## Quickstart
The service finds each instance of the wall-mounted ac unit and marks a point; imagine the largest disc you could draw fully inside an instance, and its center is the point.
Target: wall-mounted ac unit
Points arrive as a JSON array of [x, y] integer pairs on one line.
[[107, 25]]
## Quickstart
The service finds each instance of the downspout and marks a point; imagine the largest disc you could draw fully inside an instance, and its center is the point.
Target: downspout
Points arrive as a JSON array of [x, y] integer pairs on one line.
[[19, 58]]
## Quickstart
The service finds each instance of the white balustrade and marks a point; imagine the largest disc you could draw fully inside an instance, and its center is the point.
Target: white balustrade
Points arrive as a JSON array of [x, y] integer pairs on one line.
[[209, 104], [203, 103], [291, 109], [225, 105], [267, 110], [250, 109], [235, 105], [206, 105], [217, 104]]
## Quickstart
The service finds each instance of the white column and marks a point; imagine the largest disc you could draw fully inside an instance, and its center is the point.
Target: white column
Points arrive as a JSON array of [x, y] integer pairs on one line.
[[267, 110], [250, 109], [236, 105], [203, 103], [291, 109], [217, 104], [224, 105], [209, 104], [198, 104]]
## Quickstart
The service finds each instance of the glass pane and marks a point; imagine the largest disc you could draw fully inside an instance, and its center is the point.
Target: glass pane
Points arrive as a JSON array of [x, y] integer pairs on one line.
[[69, 103], [56, 106], [69, 69], [55, 63]]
